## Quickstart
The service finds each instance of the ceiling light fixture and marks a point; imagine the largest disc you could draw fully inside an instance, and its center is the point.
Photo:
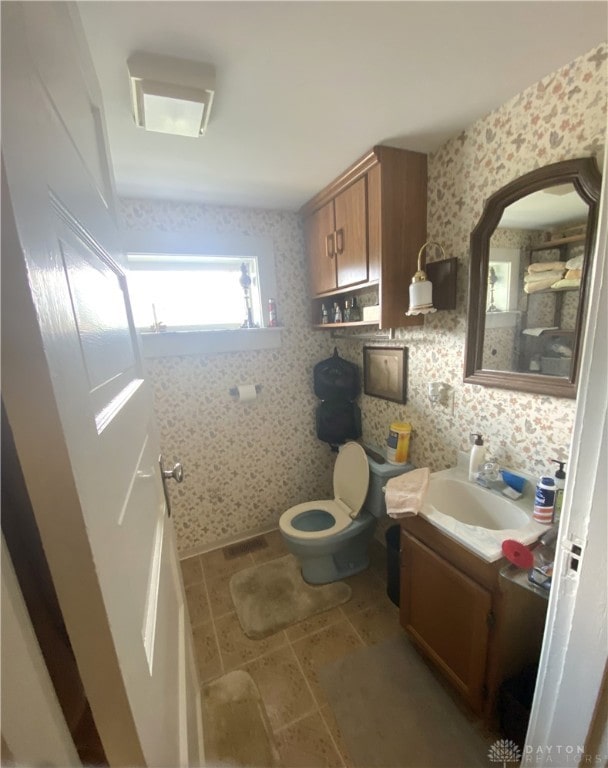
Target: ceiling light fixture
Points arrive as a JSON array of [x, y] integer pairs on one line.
[[171, 95]]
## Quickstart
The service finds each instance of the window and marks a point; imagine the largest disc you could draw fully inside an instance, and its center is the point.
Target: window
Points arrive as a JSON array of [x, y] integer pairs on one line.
[[187, 292], [186, 284], [503, 279], [503, 288]]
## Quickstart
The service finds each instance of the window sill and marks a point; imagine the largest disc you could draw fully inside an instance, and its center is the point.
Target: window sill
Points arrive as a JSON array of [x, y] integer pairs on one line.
[[177, 343]]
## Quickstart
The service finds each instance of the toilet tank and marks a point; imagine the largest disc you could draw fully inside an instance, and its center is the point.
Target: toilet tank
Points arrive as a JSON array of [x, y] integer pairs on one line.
[[379, 475]]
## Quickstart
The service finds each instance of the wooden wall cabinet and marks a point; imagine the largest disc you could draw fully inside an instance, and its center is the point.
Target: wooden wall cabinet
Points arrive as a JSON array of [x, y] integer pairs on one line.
[[337, 241], [474, 626], [364, 231]]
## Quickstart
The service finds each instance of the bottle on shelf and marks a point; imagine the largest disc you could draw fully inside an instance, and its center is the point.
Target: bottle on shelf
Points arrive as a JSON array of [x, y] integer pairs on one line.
[[272, 313], [355, 311], [324, 315], [337, 313], [347, 310]]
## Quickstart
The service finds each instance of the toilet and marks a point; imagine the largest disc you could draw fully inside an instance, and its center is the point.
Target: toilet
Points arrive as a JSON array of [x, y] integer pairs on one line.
[[331, 537]]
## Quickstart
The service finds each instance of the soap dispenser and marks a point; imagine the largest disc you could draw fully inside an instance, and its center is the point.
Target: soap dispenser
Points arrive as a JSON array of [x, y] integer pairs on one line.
[[478, 455], [560, 482]]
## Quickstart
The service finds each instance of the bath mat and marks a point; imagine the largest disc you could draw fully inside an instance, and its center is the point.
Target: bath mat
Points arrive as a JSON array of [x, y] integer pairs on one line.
[[271, 596], [392, 711], [235, 724]]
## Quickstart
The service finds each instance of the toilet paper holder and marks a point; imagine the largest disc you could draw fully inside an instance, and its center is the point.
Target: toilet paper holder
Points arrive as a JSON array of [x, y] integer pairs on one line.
[[234, 391]]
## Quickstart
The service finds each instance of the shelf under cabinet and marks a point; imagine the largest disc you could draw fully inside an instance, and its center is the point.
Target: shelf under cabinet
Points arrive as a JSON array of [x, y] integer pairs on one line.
[[355, 324], [355, 289]]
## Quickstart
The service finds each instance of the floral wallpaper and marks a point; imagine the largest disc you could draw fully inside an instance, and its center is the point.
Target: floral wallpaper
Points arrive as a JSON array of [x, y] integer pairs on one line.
[[562, 116], [246, 463]]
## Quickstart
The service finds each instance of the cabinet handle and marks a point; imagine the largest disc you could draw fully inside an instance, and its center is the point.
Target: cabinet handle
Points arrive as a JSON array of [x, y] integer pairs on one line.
[[340, 241], [330, 245]]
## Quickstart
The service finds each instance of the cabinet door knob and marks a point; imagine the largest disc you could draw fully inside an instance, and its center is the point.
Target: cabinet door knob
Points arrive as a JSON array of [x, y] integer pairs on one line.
[[330, 245], [340, 241]]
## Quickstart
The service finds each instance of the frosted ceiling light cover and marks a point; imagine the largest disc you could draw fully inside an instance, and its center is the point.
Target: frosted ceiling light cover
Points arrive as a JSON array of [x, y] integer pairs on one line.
[[171, 95], [178, 116]]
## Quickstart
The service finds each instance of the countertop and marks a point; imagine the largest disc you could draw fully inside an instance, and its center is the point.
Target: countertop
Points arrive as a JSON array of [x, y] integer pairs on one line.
[[520, 577]]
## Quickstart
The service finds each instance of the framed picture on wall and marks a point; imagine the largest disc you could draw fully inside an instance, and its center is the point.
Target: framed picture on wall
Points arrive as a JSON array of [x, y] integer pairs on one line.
[[385, 373]]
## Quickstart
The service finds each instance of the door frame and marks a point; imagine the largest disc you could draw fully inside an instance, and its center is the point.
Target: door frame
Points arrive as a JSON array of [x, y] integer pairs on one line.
[[571, 678], [27, 687]]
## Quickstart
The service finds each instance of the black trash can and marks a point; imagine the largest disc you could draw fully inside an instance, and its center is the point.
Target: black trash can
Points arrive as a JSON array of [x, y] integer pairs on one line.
[[515, 703], [393, 538]]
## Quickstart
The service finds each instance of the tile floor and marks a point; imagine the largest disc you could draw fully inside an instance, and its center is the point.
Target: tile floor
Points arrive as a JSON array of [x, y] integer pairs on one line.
[[284, 666]]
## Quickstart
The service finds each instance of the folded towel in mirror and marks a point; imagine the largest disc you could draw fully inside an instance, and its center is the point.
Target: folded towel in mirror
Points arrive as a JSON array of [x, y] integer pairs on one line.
[[534, 277], [546, 266], [564, 285], [539, 285], [576, 262], [539, 331], [405, 493]]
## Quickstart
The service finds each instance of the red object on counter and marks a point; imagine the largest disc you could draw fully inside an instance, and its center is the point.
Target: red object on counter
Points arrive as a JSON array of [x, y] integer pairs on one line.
[[518, 554]]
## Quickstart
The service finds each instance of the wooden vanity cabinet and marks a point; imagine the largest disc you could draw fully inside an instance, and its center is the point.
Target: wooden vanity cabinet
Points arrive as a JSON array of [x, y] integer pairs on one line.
[[364, 231], [476, 628], [447, 615]]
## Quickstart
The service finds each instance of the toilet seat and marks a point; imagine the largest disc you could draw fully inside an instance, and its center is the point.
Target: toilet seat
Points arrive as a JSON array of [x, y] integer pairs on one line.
[[342, 519], [351, 481]]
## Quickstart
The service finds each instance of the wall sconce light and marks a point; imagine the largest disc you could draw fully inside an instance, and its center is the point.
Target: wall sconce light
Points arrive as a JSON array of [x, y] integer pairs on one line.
[[171, 95], [421, 289]]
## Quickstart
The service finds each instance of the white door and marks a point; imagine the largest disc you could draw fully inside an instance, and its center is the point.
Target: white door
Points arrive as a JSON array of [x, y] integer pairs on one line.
[[78, 402]]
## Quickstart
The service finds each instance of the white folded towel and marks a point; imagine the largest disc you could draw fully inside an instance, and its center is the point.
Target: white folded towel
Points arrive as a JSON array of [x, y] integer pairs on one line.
[[546, 266], [538, 331], [405, 493], [535, 277], [540, 285], [566, 285], [576, 262]]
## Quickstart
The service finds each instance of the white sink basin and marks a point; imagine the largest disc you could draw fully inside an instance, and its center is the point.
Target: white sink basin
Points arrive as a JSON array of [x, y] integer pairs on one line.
[[476, 517], [474, 505]]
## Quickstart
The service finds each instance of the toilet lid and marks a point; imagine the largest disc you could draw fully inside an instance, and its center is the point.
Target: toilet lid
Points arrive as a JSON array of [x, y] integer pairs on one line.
[[351, 477]]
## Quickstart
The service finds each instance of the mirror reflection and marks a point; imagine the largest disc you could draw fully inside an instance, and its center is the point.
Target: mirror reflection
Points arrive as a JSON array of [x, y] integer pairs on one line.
[[533, 283], [531, 258]]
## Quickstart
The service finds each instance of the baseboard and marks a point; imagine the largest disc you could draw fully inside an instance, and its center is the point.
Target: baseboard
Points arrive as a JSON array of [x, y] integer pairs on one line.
[[201, 549]]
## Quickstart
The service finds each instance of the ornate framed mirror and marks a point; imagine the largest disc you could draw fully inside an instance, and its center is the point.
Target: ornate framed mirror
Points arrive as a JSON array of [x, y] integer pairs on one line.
[[531, 258]]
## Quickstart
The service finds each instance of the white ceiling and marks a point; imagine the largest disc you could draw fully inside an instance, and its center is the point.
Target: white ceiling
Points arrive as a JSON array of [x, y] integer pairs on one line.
[[546, 208], [305, 88]]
